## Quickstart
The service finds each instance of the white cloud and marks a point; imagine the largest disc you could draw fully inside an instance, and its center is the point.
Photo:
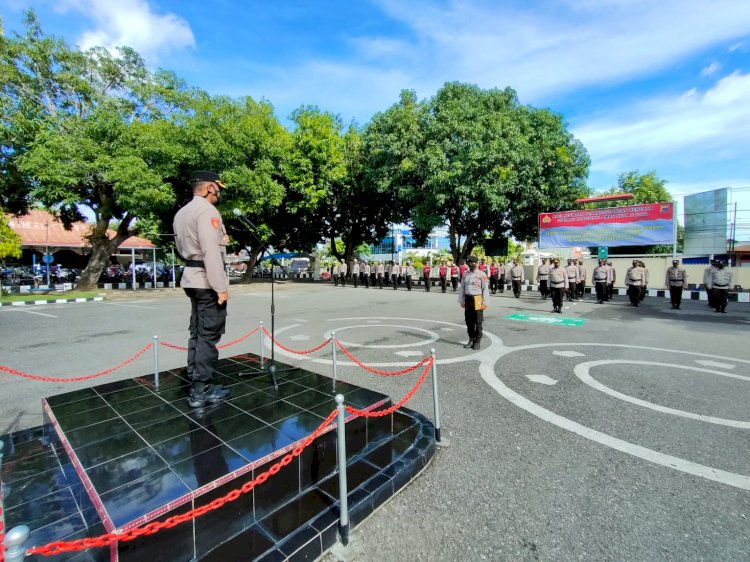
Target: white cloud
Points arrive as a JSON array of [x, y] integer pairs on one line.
[[711, 69], [131, 23]]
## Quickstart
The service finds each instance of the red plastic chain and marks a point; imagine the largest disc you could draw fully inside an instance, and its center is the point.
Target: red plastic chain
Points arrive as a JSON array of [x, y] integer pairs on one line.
[[298, 352], [224, 346], [238, 340], [2, 536], [58, 547], [404, 400], [76, 379], [384, 373]]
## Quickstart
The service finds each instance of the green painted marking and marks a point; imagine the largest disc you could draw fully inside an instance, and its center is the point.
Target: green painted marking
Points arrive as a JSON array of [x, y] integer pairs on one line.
[[547, 319]]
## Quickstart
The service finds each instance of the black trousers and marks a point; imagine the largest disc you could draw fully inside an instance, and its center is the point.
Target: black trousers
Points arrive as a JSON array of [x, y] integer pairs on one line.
[[365, 278], [711, 298], [502, 284], [557, 296], [474, 319], [516, 287], [581, 288], [335, 279], [601, 290], [355, 279], [454, 283], [610, 291], [493, 284], [427, 283], [675, 295], [380, 281], [634, 293], [720, 299], [207, 324], [407, 278], [394, 281], [342, 278], [543, 288], [373, 278], [443, 283]]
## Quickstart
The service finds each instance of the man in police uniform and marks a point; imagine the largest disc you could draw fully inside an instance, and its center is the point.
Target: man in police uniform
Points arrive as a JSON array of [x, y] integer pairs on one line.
[[635, 279], [542, 278], [355, 273], [721, 282], [473, 298], [558, 283], [600, 278], [676, 281], [408, 275], [201, 240], [572, 271], [516, 278]]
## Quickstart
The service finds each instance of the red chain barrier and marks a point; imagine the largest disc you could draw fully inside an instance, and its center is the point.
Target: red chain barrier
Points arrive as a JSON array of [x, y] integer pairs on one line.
[[303, 352], [378, 372], [58, 547], [404, 400], [224, 346], [2, 536], [76, 379]]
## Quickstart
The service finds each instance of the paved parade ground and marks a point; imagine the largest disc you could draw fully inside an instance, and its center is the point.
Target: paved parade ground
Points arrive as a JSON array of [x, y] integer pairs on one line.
[[606, 433]]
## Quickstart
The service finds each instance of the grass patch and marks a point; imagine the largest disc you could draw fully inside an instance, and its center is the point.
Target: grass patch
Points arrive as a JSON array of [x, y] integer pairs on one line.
[[51, 296]]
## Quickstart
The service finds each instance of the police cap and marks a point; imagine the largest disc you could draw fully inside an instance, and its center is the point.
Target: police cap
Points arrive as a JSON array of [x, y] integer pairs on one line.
[[206, 175], [472, 259]]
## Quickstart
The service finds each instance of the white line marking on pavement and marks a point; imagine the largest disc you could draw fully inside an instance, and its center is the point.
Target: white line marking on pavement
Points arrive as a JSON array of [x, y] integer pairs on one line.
[[542, 379], [568, 353], [737, 480], [409, 353], [299, 337], [32, 312], [129, 305], [582, 372], [714, 364]]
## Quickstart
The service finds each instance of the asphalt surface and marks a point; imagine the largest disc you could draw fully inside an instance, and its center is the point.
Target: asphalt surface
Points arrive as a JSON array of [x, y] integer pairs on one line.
[[624, 438]]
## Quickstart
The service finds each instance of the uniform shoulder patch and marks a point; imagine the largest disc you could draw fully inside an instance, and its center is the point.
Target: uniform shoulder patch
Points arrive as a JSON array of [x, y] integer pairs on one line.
[[215, 222]]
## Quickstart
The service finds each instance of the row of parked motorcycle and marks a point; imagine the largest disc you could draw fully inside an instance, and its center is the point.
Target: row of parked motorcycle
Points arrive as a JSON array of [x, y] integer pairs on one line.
[[116, 273]]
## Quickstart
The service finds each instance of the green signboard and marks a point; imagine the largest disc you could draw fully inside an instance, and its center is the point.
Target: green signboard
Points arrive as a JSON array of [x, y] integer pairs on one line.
[[603, 252], [557, 320]]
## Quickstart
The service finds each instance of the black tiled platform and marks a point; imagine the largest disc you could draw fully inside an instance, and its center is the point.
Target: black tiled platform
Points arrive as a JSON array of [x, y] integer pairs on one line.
[[118, 455]]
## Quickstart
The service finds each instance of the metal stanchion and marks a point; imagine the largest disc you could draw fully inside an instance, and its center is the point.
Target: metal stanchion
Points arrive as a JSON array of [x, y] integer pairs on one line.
[[262, 353], [156, 362], [15, 543], [343, 497], [435, 399], [333, 343]]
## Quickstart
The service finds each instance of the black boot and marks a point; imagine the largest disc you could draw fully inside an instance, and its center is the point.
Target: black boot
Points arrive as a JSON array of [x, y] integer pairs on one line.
[[469, 344], [477, 344], [202, 394]]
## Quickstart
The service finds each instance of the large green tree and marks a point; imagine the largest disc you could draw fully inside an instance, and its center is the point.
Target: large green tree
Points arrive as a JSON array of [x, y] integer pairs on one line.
[[10, 242], [100, 135], [477, 161]]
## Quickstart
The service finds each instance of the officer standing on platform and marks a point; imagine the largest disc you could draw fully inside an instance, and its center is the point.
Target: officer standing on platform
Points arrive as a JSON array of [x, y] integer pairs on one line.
[[355, 273], [721, 282], [201, 240], [600, 278], [443, 275], [473, 298], [676, 282], [558, 282], [542, 278], [516, 278], [408, 274], [426, 272]]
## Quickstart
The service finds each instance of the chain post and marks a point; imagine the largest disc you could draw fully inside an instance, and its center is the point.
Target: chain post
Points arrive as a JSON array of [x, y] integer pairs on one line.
[[262, 353], [435, 400], [156, 362], [333, 343], [15, 543], [343, 498]]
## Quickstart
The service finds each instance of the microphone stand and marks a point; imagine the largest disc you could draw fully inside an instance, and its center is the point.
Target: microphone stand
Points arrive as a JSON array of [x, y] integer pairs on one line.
[[272, 365]]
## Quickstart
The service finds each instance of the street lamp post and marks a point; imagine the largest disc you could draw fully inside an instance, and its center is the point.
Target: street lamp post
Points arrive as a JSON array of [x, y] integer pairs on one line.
[[46, 252]]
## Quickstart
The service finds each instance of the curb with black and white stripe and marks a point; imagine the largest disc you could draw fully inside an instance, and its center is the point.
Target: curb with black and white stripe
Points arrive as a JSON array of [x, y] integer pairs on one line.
[[51, 301]]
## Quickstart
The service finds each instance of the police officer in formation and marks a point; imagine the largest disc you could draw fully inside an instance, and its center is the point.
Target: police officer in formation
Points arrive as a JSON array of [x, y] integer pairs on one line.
[[644, 287], [516, 278], [395, 274], [454, 270], [707, 274], [364, 274], [501, 276], [558, 283], [380, 274], [601, 278], [581, 279], [611, 284], [473, 297], [443, 276], [336, 273], [635, 279], [408, 274], [542, 278], [355, 273], [572, 271], [201, 240], [721, 282], [426, 273], [676, 281]]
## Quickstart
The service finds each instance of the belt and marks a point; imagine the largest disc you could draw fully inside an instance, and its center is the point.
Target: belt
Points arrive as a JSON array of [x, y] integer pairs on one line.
[[195, 263], [720, 286]]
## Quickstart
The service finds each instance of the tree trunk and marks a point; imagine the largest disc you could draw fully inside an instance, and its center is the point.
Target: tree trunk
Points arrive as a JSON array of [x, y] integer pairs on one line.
[[102, 249], [254, 254]]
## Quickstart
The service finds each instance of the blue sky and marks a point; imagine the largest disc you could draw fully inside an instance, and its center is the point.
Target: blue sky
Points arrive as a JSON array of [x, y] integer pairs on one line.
[[644, 85]]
